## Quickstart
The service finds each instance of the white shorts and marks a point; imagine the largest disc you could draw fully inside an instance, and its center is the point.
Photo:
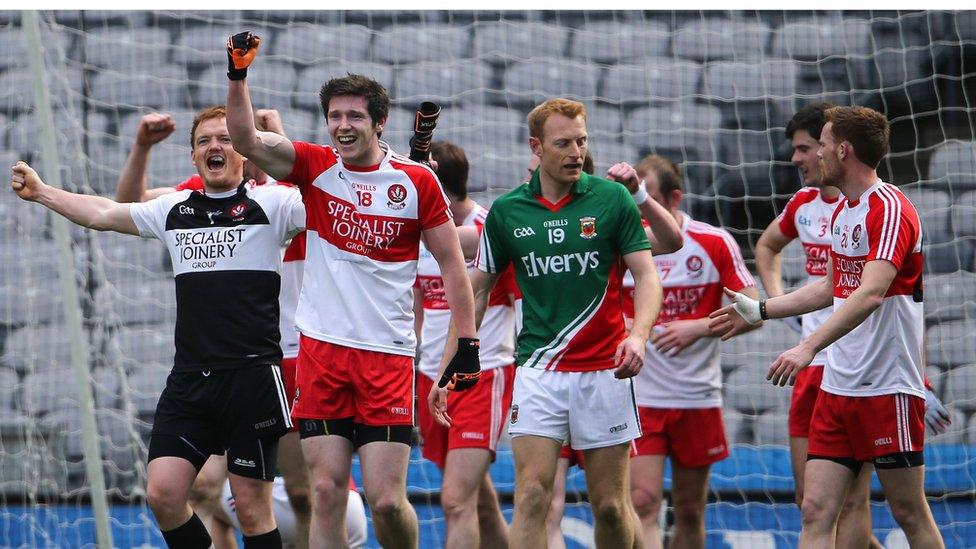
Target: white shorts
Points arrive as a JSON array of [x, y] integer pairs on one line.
[[285, 517], [591, 409]]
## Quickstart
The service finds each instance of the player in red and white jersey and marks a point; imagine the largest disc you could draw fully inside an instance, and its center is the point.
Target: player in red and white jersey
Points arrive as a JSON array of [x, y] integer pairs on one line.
[[132, 187], [679, 395], [465, 450], [872, 402], [367, 209]]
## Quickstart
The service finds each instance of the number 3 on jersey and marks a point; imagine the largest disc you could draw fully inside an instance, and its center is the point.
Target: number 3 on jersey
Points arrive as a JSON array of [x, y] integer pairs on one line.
[[365, 198]]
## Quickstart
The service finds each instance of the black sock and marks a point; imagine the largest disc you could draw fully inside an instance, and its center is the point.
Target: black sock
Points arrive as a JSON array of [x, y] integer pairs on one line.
[[192, 534], [270, 540]]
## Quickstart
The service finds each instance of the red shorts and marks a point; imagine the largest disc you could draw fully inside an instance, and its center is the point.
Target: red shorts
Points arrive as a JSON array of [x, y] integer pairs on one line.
[[335, 382], [288, 373], [477, 415], [692, 437], [805, 392], [864, 428], [575, 457]]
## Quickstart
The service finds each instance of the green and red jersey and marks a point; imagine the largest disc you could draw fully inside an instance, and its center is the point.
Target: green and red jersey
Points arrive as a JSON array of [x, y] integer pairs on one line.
[[568, 260]]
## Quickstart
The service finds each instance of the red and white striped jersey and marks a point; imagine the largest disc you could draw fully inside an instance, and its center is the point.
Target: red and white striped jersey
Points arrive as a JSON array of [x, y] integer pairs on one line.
[[362, 245], [497, 332], [692, 279], [882, 355], [807, 217], [292, 264]]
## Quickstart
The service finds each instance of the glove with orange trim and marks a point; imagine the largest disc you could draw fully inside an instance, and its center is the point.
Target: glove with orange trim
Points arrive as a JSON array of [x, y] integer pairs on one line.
[[463, 371], [242, 48]]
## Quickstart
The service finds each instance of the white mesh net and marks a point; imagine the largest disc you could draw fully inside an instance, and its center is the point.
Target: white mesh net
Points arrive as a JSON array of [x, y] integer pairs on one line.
[[711, 90]]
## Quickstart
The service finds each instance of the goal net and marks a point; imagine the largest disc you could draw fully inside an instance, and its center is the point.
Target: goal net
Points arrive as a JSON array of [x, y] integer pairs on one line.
[[709, 90]]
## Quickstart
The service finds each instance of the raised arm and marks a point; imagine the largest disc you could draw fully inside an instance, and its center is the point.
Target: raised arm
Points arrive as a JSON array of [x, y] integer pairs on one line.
[[664, 232], [769, 254], [272, 152], [94, 212], [132, 187]]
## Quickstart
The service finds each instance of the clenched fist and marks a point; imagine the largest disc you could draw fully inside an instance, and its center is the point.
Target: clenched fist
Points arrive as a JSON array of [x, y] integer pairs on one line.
[[242, 48], [153, 128], [25, 181]]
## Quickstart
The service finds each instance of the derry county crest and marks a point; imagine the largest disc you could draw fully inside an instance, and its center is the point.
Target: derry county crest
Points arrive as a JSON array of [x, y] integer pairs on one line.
[[588, 227]]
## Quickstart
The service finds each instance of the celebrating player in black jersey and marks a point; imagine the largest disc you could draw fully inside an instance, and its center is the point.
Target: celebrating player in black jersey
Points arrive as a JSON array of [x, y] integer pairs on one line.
[[225, 392]]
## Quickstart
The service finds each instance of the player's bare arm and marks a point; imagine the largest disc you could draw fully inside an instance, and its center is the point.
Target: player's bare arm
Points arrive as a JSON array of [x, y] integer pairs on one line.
[[94, 212], [629, 357], [482, 284], [469, 236], [674, 337], [153, 128], [732, 319], [442, 241], [272, 152], [875, 281], [769, 256], [664, 232]]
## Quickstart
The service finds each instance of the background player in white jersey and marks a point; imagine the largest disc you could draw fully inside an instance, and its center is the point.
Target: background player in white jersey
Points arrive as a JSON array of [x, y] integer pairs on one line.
[[225, 393], [679, 389], [225, 519], [368, 208], [872, 402], [206, 492], [465, 450]]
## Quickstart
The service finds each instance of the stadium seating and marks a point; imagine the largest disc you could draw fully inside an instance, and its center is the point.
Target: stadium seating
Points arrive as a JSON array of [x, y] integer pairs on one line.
[[951, 343], [960, 388], [952, 166], [422, 42], [711, 40], [950, 296], [619, 41], [651, 81], [748, 391]]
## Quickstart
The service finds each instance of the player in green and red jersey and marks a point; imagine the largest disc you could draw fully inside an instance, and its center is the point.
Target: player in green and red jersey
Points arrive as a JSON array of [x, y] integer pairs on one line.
[[569, 236]]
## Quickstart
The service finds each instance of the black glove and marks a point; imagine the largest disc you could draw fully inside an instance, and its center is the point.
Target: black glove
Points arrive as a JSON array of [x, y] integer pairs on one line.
[[242, 48], [465, 368]]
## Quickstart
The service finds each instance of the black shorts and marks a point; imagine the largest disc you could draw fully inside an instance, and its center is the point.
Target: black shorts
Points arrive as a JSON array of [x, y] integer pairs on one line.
[[219, 409]]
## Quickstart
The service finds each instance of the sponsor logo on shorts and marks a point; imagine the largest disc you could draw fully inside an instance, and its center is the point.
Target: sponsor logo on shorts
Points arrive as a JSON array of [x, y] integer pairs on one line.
[[399, 411], [265, 423], [884, 441], [884, 460], [618, 428], [715, 450], [473, 436], [244, 462], [515, 413]]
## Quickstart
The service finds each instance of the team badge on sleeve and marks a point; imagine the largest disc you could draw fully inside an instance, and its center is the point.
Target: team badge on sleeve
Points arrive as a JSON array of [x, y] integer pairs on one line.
[[587, 227], [515, 413]]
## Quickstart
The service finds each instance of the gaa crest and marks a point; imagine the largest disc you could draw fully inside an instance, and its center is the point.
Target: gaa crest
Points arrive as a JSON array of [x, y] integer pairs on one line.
[[588, 227], [856, 235], [237, 210]]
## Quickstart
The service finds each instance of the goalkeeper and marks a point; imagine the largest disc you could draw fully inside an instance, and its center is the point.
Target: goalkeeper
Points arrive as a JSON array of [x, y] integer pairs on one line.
[[568, 236], [225, 393], [368, 209]]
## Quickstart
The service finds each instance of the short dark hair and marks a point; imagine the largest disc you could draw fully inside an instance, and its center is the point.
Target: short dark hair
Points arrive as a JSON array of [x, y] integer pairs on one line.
[[452, 168], [810, 118], [377, 100], [216, 111], [668, 173], [866, 129]]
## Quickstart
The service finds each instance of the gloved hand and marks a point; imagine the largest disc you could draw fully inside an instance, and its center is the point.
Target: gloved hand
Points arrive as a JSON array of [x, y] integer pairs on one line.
[[464, 369], [937, 418], [242, 48]]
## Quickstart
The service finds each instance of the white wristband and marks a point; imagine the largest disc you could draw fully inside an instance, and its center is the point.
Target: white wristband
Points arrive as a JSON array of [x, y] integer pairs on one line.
[[640, 196]]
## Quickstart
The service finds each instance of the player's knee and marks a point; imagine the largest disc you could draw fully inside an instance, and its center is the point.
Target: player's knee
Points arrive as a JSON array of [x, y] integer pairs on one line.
[[328, 491], [907, 514], [689, 512], [647, 503], [298, 497], [206, 489], [164, 499], [611, 512], [815, 512], [532, 498], [387, 506], [456, 502], [254, 515]]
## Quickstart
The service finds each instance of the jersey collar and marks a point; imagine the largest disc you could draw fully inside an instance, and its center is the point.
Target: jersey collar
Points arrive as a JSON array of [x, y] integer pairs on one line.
[[581, 186]]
